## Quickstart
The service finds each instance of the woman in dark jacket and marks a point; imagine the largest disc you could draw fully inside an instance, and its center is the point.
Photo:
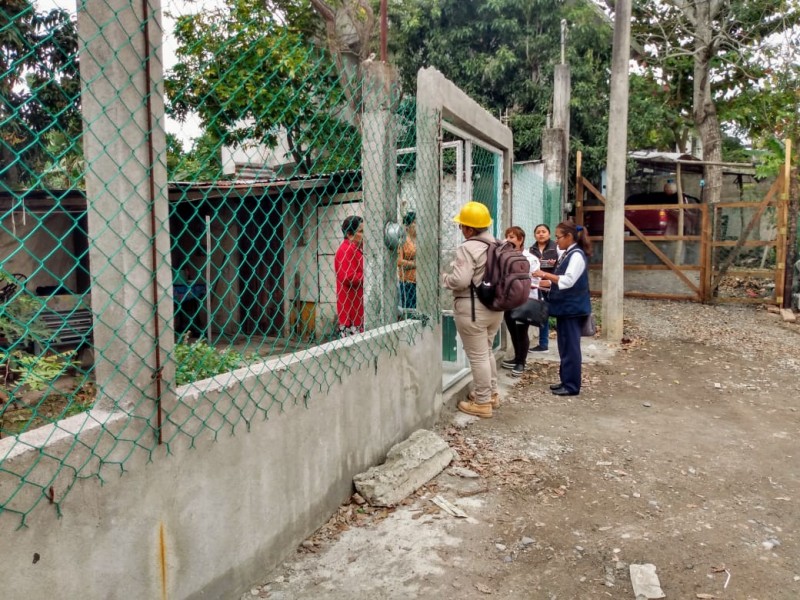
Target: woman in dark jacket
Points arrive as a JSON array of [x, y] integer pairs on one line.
[[546, 251], [569, 302]]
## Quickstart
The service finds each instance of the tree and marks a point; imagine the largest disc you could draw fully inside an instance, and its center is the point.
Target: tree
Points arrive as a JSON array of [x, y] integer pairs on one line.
[[723, 43], [248, 73], [349, 27], [39, 92], [502, 53]]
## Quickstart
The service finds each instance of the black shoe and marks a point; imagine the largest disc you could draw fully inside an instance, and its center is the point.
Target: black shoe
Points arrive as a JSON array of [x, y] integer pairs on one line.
[[508, 364], [518, 370], [563, 392], [538, 349], [555, 386]]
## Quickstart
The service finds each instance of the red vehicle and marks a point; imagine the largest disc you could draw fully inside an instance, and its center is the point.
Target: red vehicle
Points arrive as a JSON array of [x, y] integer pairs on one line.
[[651, 221]]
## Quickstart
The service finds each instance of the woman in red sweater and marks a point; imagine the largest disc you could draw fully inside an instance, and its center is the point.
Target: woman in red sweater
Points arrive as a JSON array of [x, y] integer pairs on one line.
[[349, 266]]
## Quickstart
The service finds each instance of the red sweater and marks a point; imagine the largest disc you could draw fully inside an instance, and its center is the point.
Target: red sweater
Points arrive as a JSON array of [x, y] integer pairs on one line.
[[349, 267]]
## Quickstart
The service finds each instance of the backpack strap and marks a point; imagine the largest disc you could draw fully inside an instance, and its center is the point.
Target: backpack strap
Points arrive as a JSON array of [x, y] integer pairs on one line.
[[472, 299], [472, 283]]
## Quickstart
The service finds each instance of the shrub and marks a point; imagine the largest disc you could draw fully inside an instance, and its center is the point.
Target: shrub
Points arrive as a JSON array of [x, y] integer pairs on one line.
[[199, 361]]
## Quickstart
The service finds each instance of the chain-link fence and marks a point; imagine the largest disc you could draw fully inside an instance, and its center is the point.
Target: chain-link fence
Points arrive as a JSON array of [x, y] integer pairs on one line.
[[142, 270]]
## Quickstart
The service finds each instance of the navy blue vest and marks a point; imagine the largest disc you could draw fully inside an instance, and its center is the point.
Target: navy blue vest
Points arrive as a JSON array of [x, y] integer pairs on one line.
[[574, 301]]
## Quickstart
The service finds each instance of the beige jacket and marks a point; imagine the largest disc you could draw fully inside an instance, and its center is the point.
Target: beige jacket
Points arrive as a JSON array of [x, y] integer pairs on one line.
[[468, 266]]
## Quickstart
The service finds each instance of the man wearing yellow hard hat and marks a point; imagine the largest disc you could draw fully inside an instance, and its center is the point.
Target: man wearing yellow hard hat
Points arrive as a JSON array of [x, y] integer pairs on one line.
[[476, 324]]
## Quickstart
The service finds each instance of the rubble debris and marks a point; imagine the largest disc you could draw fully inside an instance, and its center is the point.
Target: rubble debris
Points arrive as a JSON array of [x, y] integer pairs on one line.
[[409, 465], [645, 581]]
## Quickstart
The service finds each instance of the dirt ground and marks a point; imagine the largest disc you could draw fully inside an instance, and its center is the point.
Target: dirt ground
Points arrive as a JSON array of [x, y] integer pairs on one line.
[[681, 451]]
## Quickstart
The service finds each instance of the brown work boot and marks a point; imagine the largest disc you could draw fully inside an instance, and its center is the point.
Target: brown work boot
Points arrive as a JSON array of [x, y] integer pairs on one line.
[[495, 401], [484, 411]]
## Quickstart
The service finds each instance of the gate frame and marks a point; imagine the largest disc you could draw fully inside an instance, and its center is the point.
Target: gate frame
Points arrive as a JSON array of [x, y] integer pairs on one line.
[[699, 291], [704, 292]]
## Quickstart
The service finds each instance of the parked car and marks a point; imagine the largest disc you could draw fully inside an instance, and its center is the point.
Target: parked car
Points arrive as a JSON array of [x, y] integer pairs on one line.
[[651, 221]]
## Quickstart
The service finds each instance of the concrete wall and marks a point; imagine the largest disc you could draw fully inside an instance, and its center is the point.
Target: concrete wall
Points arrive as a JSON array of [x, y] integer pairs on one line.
[[205, 522]]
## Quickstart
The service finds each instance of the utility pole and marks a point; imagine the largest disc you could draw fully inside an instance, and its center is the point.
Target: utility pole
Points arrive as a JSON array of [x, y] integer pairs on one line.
[[613, 234]]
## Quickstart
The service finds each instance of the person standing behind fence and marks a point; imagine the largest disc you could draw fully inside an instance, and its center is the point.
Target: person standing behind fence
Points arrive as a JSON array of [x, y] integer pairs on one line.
[[476, 324], [349, 267], [569, 302], [407, 263], [518, 332], [546, 251]]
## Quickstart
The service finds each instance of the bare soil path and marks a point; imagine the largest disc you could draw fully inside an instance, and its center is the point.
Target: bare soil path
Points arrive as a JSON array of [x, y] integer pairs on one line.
[[682, 451]]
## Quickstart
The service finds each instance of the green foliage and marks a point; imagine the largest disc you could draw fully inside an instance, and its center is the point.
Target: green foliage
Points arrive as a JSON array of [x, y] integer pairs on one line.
[[199, 361], [19, 315], [39, 91], [201, 163], [38, 372], [749, 59], [503, 52], [251, 79], [20, 325], [656, 121]]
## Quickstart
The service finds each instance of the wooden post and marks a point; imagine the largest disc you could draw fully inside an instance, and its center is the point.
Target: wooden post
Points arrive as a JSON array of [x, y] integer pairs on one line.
[[782, 227], [678, 256], [705, 254]]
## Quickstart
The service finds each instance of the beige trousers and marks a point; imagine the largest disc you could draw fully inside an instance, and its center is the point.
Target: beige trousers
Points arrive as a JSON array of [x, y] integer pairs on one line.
[[477, 337]]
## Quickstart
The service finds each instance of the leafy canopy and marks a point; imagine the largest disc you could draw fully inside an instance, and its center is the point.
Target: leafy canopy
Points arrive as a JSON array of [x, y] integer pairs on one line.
[[40, 121], [250, 77], [503, 52]]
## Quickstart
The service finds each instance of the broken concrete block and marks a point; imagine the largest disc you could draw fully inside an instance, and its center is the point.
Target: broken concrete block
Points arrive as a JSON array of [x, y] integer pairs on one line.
[[645, 581], [788, 315], [409, 465]]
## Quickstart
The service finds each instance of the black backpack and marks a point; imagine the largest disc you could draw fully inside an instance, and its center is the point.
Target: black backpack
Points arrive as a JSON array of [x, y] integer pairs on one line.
[[506, 282]]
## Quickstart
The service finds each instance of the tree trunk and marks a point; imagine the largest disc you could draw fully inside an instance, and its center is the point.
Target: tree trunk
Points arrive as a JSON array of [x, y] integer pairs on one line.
[[349, 28], [704, 109], [10, 179]]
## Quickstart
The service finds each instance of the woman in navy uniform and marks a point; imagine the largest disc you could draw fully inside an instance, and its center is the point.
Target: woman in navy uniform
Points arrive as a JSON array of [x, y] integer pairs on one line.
[[569, 302]]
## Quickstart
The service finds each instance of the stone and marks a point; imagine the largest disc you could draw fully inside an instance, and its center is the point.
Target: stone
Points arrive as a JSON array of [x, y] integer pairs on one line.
[[645, 581], [464, 472], [526, 541], [500, 547], [788, 315], [409, 465]]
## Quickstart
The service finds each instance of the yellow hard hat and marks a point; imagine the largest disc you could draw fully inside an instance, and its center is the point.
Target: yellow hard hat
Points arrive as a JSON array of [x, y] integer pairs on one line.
[[475, 215]]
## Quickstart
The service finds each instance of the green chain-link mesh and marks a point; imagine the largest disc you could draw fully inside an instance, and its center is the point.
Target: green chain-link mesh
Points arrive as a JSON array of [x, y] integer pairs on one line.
[[256, 201]]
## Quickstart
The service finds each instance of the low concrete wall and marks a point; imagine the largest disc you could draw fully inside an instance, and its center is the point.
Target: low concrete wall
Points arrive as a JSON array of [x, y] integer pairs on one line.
[[207, 521]]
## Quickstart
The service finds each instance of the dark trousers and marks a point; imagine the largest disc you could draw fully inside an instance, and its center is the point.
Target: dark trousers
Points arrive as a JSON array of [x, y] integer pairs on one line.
[[569, 349], [408, 295], [544, 334], [518, 332]]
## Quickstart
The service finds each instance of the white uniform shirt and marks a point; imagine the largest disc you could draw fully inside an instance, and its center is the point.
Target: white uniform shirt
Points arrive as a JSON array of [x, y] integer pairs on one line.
[[575, 269], [535, 264]]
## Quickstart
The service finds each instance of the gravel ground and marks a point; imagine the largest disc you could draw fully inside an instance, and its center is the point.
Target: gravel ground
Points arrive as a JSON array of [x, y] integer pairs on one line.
[[681, 452]]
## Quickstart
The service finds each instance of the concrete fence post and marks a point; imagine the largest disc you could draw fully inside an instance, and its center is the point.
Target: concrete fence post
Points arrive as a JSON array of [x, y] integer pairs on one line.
[[379, 172], [126, 193]]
